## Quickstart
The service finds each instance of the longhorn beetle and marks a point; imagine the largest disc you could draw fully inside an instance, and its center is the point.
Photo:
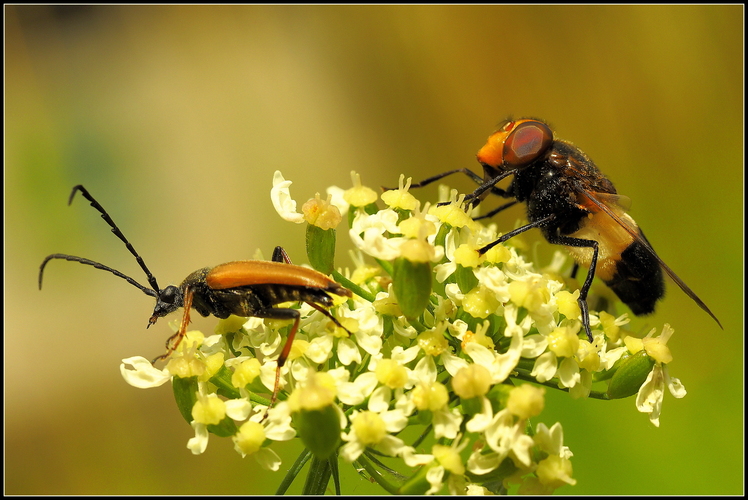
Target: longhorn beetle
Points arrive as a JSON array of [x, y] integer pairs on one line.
[[243, 288], [575, 205]]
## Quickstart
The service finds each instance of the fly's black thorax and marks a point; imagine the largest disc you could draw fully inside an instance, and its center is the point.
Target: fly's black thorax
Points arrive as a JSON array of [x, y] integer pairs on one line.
[[548, 192]]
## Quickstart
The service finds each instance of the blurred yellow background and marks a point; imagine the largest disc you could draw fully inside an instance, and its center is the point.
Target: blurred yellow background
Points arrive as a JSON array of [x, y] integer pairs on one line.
[[176, 117]]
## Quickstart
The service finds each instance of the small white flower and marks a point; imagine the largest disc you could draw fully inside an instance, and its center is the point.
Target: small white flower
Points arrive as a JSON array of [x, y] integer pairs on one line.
[[143, 374], [499, 365], [348, 352], [356, 392], [447, 422], [238, 409], [452, 363], [494, 279], [534, 346], [483, 419], [545, 367], [444, 271], [508, 438], [551, 440], [379, 401], [652, 392], [337, 199], [280, 195], [320, 349], [371, 343], [413, 459], [279, 423], [609, 357], [249, 440], [372, 429], [404, 329], [481, 463], [374, 243], [435, 476], [198, 444], [583, 387], [268, 459], [568, 372], [650, 396], [425, 371]]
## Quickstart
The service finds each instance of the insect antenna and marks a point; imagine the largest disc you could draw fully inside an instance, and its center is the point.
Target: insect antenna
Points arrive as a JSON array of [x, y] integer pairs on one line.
[[97, 265], [104, 215]]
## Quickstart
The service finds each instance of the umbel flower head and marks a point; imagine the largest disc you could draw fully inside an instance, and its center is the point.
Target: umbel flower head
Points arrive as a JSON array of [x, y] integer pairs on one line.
[[460, 346]]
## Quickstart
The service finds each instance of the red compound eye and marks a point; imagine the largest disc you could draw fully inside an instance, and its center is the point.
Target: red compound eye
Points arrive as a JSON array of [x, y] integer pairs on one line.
[[529, 141]]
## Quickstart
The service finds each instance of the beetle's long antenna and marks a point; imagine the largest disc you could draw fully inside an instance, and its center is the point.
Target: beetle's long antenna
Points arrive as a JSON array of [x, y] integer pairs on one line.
[[118, 233], [97, 265]]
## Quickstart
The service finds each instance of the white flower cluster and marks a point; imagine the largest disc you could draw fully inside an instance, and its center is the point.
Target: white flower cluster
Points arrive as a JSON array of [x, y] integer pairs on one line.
[[449, 362]]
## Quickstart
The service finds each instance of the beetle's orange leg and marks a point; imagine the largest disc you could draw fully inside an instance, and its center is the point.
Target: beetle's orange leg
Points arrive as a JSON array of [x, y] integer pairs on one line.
[[173, 342], [281, 313]]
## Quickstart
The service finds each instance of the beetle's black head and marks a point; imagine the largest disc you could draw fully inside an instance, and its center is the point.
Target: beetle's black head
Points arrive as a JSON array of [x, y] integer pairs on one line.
[[169, 300]]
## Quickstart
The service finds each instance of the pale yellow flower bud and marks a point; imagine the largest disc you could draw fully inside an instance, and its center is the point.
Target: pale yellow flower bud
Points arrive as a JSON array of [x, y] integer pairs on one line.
[[472, 381], [526, 401]]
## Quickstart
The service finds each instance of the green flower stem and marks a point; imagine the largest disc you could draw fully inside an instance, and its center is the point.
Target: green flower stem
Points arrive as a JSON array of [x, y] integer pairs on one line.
[[318, 477], [333, 461], [426, 432], [599, 395], [418, 483], [553, 384], [420, 327], [392, 472], [353, 287], [259, 399], [376, 475], [387, 266], [222, 381], [299, 464]]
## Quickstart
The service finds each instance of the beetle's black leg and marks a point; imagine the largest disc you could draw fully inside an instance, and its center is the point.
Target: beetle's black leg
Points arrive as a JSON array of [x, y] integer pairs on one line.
[[327, 313], [280, 255]]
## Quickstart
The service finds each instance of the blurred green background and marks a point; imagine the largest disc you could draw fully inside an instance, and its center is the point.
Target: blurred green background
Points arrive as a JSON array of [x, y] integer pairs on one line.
[[176, 117]]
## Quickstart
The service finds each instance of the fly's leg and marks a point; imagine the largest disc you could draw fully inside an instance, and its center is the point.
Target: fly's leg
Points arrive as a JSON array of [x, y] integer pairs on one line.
[[561, 240], [582, 300]]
